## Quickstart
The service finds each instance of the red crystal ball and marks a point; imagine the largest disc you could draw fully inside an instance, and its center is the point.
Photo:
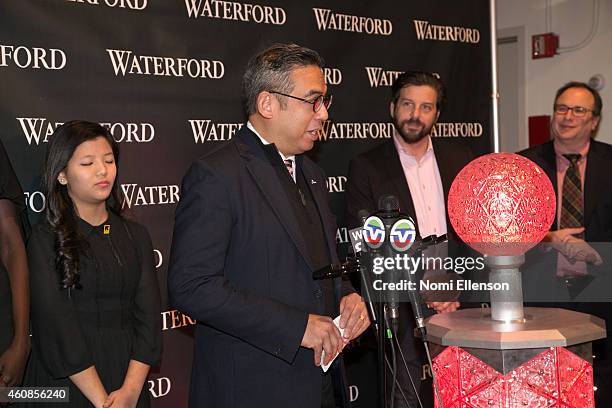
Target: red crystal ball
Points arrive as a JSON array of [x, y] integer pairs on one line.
[[501, 204]]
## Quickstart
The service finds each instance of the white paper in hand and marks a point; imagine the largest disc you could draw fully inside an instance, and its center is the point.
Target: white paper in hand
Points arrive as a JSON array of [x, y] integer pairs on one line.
[[325, 367]]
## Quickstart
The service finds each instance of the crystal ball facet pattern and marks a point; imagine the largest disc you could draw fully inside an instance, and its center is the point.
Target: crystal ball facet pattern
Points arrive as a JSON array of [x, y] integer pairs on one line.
[[501, 204]]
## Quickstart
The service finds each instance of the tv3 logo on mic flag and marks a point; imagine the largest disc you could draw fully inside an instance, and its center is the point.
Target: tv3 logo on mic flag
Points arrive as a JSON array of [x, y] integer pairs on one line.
[[374, 232], [402, 235]]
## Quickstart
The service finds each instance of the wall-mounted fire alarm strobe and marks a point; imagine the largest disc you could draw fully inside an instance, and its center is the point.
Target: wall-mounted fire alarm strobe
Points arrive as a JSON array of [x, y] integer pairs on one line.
[[544, 45]]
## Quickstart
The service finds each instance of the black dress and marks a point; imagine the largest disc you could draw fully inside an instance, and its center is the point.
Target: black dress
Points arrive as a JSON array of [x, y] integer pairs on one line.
[[11, 191], [112, 319]]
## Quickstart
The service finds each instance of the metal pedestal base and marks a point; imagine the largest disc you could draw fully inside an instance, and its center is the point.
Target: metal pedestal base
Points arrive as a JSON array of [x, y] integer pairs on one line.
[[542, 328], [519, 363], [505, 346]]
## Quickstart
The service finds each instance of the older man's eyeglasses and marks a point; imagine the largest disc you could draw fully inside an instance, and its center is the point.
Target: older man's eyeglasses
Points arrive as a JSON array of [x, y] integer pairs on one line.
[[578, 111], [321, 100]]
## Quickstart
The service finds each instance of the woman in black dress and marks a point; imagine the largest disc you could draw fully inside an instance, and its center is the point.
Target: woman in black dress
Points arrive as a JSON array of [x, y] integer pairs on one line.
[[95, 297], [14, 294]]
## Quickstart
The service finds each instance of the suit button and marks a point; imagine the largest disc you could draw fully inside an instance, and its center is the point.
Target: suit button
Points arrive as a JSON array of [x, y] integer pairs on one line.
[[318, 293], [278, 351]]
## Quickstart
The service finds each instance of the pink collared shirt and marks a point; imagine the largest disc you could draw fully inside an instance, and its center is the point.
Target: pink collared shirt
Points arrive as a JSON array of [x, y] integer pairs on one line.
[[564, 266], [425, 186]]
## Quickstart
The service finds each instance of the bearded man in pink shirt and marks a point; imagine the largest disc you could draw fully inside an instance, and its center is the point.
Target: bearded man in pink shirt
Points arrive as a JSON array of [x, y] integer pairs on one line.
[[419, 171]]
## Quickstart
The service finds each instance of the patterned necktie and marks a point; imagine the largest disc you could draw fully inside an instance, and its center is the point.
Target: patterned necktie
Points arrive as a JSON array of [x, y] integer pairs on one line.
[[289, 165], [572, 202]]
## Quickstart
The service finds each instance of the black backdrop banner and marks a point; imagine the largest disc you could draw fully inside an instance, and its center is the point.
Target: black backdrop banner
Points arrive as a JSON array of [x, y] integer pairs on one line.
[[164, 76]]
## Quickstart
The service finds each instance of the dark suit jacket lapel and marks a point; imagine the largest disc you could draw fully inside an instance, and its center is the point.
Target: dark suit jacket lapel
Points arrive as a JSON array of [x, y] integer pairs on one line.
[[266, 179], [395, 173], [319, 195], [593, 189], [595, 162], [549, 165], [448, 169]]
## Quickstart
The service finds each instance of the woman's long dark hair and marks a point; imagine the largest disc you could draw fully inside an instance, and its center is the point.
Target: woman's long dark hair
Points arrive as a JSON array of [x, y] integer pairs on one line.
[[60, 211]]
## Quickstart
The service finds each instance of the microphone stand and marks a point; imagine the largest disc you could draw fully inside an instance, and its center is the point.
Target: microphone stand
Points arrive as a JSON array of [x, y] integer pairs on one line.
[[416, 307], [383, 328], [375, 308]]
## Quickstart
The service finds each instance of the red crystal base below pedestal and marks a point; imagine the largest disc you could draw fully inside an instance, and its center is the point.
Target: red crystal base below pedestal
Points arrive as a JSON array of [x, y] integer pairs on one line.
[[554, 378]]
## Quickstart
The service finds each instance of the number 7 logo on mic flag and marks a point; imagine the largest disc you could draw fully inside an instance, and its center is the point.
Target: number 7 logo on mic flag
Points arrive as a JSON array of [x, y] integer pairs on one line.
[[374, 232], [402, 235]]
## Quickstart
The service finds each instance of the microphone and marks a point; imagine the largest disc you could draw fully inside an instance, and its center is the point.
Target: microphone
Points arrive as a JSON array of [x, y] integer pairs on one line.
[[389, 213], [350, 264], [427, 246], [363, 215], [364, 259], [417, 310], [356, 234], [337, 270], [402, 236]]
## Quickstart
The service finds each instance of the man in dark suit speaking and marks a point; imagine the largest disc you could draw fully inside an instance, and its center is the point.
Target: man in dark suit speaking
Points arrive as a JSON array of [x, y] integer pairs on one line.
[[419, 171], [252, 225]]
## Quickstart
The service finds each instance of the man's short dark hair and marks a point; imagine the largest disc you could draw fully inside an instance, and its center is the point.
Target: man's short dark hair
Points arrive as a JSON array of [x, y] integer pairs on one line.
[[270, 70], [419, 78], [575, 84]]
